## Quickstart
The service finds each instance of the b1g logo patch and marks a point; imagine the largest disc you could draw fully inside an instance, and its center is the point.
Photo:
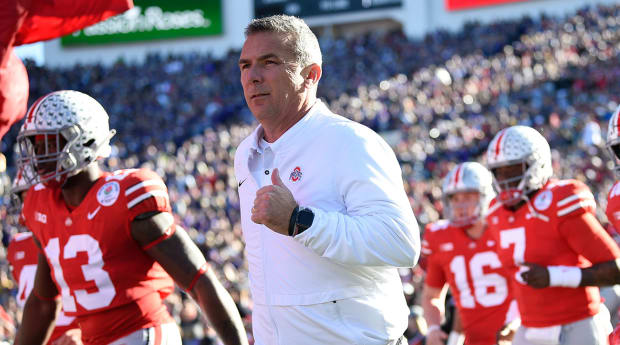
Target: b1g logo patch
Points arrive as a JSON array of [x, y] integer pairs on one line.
[[108, 193], [543, 200], [295, 174]]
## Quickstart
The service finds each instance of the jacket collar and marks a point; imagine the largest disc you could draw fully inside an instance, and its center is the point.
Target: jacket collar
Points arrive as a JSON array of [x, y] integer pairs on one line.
[[283, 141]]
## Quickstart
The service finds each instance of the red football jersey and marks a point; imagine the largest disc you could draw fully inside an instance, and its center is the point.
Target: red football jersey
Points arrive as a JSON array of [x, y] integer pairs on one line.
[[104, 277], [23, 255], [480, 285], [534, 234]]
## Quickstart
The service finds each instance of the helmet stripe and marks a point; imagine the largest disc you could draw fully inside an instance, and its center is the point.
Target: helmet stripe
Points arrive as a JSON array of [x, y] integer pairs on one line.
[[33, 108], [498, 143], [457, 175], [617, 122]]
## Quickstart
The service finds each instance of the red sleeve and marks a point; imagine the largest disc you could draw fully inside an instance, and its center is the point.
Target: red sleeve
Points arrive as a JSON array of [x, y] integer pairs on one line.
[[434, 273], [586, 236], [572, 199], [426, 249], [145, 192]]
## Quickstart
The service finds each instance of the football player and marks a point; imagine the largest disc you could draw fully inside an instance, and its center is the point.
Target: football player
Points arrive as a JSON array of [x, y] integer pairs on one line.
[[22, 254], [461, 253], [108, 243], [548, 225]]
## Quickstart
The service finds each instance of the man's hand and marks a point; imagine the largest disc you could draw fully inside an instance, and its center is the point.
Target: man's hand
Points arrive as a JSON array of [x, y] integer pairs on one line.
[[274, 205], [507, 332], [71, 337], [536, 276], [436, 337]]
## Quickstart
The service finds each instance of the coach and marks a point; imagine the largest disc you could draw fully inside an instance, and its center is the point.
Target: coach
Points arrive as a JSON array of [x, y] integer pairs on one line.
[[324, 214]]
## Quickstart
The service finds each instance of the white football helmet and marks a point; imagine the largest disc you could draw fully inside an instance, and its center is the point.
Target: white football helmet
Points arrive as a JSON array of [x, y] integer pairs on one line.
[[467, 177], [613, 139], [76, 118], [520, 145]]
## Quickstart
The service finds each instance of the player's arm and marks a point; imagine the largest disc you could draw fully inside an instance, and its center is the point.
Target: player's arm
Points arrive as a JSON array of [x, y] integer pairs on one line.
[[174, 250], [40, 309], [585, 235], [433, 301], [456, 336], [603, 274]]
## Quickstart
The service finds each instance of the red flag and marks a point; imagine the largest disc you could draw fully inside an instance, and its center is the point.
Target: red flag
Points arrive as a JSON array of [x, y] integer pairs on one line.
[[29, 21], [13, 92], [12, 15], [48, 19]]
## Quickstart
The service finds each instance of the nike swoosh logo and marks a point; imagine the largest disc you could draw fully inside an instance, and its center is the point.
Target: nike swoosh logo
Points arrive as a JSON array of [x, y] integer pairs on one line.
[[92, 215], [240, 183]]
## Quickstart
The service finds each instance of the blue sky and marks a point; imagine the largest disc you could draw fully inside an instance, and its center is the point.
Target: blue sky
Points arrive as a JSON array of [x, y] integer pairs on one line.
[[32, 51]]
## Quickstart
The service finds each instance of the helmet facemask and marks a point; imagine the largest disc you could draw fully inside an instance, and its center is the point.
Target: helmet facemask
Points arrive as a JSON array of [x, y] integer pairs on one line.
[[512, 189], [463, 209], [614, 152], [48, 155], [613, 140]]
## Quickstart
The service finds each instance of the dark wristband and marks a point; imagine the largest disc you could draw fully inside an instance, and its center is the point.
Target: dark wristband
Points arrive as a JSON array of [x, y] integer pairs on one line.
[[292, 222]]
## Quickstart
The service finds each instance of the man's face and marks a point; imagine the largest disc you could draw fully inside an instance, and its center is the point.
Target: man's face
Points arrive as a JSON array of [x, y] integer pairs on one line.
[[271, 80], [47, 148], [508, 178], [465, 205]]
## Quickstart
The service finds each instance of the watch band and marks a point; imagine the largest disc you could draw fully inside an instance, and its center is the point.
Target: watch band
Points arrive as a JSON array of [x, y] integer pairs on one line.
[[292, 221]]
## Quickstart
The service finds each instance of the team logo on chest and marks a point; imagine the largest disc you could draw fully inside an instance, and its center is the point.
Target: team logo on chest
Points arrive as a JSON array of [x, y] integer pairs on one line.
[[543, 200], [296, 174], [108, 193]]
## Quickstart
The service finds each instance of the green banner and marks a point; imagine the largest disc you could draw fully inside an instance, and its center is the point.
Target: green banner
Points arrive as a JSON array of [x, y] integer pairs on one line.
[[153, 20]]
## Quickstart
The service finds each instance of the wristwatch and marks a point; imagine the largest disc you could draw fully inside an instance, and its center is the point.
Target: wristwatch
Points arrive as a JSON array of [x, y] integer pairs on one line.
[[301, 220]]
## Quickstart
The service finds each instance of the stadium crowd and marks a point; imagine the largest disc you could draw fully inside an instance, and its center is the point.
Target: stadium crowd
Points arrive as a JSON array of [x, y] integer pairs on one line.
[[437, 100]]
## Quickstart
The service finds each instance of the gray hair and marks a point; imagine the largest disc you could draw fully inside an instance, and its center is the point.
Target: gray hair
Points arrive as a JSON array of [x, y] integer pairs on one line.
[[298, 37]]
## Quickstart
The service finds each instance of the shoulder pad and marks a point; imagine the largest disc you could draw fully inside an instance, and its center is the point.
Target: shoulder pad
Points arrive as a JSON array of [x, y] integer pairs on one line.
[[571, 197]]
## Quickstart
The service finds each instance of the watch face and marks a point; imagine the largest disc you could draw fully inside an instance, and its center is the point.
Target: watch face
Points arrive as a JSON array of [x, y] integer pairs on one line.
[[305, 218]]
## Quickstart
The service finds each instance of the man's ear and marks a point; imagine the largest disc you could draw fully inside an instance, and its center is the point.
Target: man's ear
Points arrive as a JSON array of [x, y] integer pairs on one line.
[[312, 75]]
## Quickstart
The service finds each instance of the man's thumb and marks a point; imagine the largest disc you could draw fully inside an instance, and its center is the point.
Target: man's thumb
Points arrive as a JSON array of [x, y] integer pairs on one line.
[[275, 178]]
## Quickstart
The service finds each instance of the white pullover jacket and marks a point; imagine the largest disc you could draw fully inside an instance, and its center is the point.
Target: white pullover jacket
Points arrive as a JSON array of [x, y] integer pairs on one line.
[[363, 229]]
